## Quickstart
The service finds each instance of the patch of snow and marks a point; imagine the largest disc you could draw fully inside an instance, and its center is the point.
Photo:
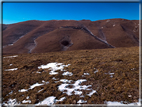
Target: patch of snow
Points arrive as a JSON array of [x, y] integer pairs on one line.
[[48, 101], [10, 64], [75, 87], [65, 80], [40, 90], [86, 74], [129, 95], [96, 70], [11, 56], [11, 102], [113, 25], [82, 101], [54, 67], [91, 93], [68, 73], [82, 96], [26, 101], [54, 78], [11, 92], [11, 69], [110, 103], [23, 90], [61, 99], [77, 92], [27, 97], [43, 81], [35, 85], [38, 72], [111, 74]]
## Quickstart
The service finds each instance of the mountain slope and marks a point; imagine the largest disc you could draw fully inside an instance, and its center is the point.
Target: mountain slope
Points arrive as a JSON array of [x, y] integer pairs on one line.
[[47, 36]]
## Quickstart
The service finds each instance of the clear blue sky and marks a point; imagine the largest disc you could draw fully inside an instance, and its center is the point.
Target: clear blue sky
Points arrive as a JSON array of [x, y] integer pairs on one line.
[[18, 12]]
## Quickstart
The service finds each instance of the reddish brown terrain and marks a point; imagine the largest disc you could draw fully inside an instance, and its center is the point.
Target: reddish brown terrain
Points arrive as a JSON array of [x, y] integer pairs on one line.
[[61, 35]]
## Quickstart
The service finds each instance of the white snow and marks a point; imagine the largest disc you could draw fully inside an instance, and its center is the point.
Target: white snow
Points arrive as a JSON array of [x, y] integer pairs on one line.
[[61, 99], [11, 56], [113, 25], [75, 87], [111, 74], [96, 70], [115, 103], [10, 64], [40, 90], [11, 102], [33, 86], [23, 90], [65, 80], [26, 101], [77, 92], [48, 101], [54, 67], [68, 73], [27, 97], [11, 92], [86, 74], [11, 69], [54, 78], [82, 101], [91, 93]]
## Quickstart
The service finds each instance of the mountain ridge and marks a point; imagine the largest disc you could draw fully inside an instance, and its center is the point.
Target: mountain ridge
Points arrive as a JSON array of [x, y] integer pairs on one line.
[[64, 35]]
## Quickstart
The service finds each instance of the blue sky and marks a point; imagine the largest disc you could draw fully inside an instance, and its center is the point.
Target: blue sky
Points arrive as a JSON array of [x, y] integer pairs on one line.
[[18, 12]]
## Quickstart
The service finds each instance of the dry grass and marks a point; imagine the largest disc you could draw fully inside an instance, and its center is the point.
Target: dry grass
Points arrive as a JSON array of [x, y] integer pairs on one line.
[[123, 62]]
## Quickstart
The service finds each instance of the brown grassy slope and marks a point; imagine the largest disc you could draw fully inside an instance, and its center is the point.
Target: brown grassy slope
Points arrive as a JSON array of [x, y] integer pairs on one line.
[[123, 62], [52, 41], [125, 33]]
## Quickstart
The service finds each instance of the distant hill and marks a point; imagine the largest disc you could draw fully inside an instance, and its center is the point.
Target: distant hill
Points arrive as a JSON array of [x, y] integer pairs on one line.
[[65, 35]]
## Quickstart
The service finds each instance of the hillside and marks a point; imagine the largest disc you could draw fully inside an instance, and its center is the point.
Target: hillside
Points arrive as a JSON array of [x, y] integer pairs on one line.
[[67, 35], [97, 76]]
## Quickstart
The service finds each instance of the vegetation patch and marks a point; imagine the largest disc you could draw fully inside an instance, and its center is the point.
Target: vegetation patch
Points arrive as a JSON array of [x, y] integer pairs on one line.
[[95, 77]]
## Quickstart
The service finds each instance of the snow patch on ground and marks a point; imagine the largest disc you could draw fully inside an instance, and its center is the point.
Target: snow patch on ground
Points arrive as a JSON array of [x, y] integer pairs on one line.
[[65, 80], [11, 56], [26, 101], [10, 64], [95, 70], [33, 86], [115, 103], [11, 69], [68, 73], [81, 101], [86, 74], [75, 87], [40, 90], [111, 74], [54, 67], [91, 93], [11, 102], [61, 99], [50, 100]]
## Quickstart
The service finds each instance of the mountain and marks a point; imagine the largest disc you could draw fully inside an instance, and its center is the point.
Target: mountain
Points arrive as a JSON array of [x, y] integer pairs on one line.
[[65, 35]]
